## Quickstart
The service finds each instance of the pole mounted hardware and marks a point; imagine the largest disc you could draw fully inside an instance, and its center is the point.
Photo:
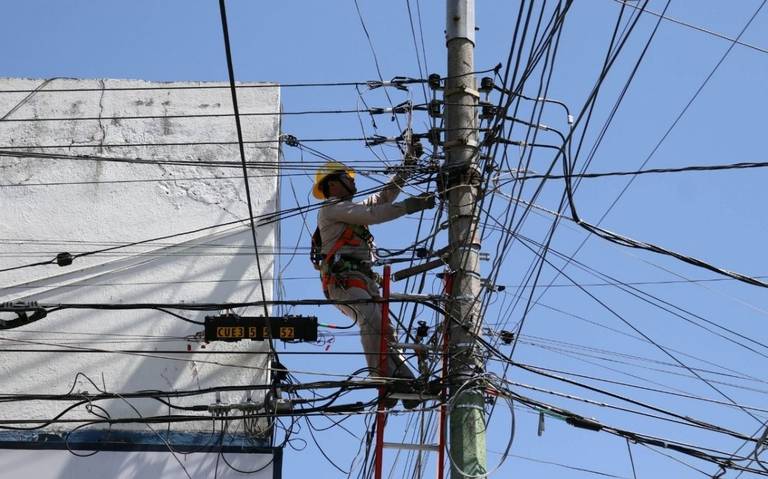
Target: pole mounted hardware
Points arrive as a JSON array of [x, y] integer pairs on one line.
[[486, 85], [433, 136], [401, 108], [290, 140], [506, 336], [488, 111], [434, 82], [396, 82], [434, 109]]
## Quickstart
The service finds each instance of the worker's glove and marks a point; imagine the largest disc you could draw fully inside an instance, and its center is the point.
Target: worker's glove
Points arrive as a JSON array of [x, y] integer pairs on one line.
[[424, 201], [413, 148], [414, 152]]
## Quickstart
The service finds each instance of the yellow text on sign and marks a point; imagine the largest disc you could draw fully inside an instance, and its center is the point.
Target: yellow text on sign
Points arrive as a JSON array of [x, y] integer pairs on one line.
[[230, 332]]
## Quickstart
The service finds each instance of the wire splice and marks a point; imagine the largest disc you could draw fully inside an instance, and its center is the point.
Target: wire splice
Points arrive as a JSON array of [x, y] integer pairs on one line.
[[64, 259]]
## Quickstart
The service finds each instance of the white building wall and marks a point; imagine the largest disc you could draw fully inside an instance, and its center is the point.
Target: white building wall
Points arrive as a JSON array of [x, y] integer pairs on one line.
[[107, 207]]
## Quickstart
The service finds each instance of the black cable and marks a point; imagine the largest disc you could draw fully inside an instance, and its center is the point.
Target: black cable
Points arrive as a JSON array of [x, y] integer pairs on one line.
[[664, 305], [265, 219], [183, 143], [373, 111], [681, 169], [654, 248], [657, 345], [202, 86], [26, 99], [233, 90]]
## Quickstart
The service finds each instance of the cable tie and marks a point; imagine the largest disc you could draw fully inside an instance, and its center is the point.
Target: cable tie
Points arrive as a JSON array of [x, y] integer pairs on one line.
[[400, 82]]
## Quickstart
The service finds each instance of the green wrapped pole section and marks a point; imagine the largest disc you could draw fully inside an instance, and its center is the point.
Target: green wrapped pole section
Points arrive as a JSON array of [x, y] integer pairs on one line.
[[468, 451]]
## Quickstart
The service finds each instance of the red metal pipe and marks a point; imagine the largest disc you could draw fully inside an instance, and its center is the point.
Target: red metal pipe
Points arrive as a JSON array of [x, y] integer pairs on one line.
[[381, 413]]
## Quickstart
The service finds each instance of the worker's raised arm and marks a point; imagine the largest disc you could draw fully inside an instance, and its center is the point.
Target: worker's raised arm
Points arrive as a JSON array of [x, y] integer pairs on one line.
[[361, 214], [394, 186]]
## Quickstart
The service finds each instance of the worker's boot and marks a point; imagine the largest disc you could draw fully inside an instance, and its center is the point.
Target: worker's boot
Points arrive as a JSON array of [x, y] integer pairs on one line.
[[389, 402], [405, 385]]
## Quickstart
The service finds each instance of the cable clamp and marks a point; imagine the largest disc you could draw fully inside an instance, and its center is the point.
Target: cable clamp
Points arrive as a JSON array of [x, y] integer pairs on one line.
[[402, 108], [504, 141], [396, 82], [380, 139], [289, 140]]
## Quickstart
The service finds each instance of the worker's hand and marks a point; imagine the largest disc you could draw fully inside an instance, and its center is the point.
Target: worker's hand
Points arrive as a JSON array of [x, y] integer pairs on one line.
[[424, 201], [413, 148], [414, 152]]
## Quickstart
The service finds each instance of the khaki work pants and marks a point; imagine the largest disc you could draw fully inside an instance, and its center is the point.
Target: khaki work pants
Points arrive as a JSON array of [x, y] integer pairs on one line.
[[368, 318]]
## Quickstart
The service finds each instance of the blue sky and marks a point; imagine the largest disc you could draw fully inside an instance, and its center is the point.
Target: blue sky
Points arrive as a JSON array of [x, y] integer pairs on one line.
[[714, 216]]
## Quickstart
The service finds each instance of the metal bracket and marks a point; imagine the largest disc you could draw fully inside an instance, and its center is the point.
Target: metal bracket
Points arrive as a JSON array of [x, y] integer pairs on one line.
[[461, 142], [462, 90]]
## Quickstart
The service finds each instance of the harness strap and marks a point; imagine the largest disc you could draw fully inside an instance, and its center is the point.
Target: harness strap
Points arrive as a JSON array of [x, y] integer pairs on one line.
[[347, 238], [345, 283]]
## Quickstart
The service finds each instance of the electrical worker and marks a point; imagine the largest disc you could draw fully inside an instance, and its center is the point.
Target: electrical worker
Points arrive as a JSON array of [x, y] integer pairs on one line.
[[343, 251]]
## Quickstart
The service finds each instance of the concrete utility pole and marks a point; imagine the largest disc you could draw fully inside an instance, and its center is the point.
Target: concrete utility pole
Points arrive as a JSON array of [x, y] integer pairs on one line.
[[467, 414]]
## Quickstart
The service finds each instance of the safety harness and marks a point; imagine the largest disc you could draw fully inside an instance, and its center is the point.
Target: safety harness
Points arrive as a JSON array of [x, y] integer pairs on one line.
[[331, 265]]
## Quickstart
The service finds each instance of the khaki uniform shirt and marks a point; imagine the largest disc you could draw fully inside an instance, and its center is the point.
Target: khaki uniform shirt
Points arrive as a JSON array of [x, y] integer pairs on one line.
[[334, 216]]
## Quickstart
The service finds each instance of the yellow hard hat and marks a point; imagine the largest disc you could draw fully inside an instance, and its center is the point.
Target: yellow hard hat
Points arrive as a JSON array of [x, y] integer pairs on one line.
[[330, 168]]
